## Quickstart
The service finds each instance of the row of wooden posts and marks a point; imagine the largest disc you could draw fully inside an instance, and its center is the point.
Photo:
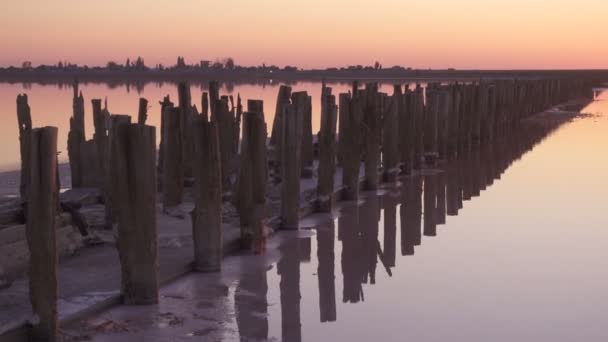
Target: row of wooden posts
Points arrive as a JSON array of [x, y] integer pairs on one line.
[[390, 134]]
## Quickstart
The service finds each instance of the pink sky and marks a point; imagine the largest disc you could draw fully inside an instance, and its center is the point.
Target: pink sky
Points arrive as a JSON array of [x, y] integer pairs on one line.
[[464, 34]]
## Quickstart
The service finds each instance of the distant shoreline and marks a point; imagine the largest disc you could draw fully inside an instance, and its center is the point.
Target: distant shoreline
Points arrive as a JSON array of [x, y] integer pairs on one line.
[[257, 76]]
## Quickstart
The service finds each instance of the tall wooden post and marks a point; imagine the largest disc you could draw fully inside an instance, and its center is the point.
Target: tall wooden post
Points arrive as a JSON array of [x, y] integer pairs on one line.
[[226, 125], [252, 180], [173, 172], [327, 154], [373, 129], [207, 214], [237, 129], [305, 101], [187, 117], [406, 131], [134, 150], [205, 105], [100, 137], [390, 158], [418, 112], [76, 138], [43, 201], [351, 113], [111, 190], [291, 159], [283, 99], [24, 120]]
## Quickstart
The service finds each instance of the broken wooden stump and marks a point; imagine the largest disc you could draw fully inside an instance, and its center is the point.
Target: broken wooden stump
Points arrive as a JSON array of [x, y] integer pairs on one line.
[[250, 198], [43, 201], [24, 119], [173, 172], [327, 154], [207, 214], [291, 159], [142, 113], [134, 153]]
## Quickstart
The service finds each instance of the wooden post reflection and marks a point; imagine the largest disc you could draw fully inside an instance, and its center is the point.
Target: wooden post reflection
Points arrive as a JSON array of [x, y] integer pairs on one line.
[[430, 224], [325, 272], [289, 270], [252, 310]]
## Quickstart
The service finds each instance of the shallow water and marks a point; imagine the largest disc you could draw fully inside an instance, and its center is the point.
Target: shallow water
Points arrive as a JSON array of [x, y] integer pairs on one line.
[[51, 105], [505, 244]]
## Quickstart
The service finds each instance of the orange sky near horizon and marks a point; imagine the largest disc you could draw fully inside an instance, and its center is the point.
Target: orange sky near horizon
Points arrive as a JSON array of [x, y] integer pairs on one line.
[[464, 34]]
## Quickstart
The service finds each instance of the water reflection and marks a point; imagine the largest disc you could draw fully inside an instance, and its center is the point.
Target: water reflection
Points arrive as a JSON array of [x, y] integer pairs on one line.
[[420, 206]]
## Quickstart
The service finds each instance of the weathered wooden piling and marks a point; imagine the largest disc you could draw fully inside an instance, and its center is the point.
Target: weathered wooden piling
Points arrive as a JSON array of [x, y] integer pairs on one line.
[[283, 99], [76, 138], [205, 105], [251, 190], [24, 119], [111, 200], [134, 153], [406, 131], [350, 117], [327, 154], [307, 143], [214, 97], [164, 104], [101, 119], [372, 128], [142, 113], [390, 136], [43, 202], [187, 117], [291, 159], [418, 109], [207, 214], [226, 125], [430, 126], [237, 128], [173, 172]]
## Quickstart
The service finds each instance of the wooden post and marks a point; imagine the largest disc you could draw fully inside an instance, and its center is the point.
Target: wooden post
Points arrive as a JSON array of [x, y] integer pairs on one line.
[[226, 125], [111, 190], [207, 214], [406, 131], [24, 120], [283, 99], [76, 138], [205, 105], [443, 124], [43, 201], [100, 120], [430, 126], [327, 154], [418, 113], [291, 159], [134, 150], [214, 97], [252, 180], [351, 114], [237, 130], [165, 103], [305, 101], [173, 172], [372, 128], [390, 158], [142, 114], [187, 117]]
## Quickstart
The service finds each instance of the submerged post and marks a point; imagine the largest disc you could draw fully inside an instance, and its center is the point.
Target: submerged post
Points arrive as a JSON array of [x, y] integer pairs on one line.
[[43, 201], [207, 214], [24, 120], [134, 150], [291, 159], [327, 154]]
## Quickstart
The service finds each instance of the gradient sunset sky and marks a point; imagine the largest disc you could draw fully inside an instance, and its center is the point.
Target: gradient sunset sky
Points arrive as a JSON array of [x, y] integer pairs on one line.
[[464, 34]]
